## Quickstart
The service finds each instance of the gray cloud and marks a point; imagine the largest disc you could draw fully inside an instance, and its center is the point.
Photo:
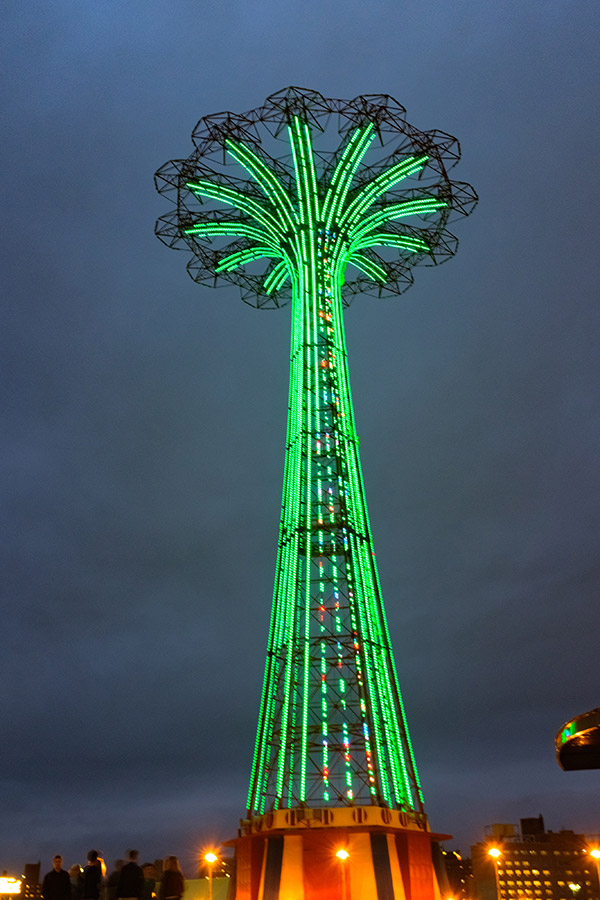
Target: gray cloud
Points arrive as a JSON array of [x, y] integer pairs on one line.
[[144, 418]]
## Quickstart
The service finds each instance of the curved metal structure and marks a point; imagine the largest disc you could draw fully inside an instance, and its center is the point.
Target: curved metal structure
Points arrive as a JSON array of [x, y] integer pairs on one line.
[[578, 742], [313, 200]]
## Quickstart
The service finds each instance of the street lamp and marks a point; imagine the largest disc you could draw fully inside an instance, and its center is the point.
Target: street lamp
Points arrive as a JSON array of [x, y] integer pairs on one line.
[[595, 854], [342, 854], [9, 885], [496, 855], [210, 859]]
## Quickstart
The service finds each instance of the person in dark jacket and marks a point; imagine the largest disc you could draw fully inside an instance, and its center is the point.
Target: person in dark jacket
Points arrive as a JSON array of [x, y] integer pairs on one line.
[[149, 885], [131, 878], [56, 884], [172, 884], [112, 881], [93, 876]]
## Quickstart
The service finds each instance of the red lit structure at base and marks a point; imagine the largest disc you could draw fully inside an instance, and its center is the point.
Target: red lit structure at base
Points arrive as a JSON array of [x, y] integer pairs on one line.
[[291, 854]]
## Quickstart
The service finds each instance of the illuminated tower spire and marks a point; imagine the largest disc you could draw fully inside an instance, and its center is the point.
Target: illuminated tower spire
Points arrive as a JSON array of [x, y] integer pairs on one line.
[[318, 226]]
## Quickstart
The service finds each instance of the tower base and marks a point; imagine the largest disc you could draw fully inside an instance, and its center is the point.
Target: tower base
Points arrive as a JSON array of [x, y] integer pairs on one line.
[[290, 854]]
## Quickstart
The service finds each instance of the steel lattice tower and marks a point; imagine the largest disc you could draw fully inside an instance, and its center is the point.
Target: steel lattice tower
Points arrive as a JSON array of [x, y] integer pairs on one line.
[[318, 225]]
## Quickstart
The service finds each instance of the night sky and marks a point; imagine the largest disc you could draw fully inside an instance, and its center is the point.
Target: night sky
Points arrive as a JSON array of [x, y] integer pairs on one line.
[[144, 419]]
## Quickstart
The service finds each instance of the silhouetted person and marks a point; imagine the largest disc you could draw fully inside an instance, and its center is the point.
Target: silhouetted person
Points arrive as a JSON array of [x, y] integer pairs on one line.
[[149, 885], [92, 876], [172, 885], [76, 879], [131, 878], [56, 884], [113, 880]]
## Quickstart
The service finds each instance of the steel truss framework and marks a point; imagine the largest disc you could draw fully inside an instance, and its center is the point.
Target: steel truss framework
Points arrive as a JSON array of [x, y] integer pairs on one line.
[[317, 226]]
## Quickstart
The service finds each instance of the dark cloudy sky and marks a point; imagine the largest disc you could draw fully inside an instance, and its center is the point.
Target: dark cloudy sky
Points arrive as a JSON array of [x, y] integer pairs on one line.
[[144, 418]]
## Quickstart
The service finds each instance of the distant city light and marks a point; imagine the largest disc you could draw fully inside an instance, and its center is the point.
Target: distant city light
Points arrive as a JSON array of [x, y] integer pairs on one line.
[[10, 885]]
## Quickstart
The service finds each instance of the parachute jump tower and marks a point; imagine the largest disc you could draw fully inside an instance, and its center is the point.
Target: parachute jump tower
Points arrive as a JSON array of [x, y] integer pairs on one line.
[[312, 200]]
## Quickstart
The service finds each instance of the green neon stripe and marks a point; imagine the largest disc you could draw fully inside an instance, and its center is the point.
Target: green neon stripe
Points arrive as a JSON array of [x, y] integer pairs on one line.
[[288, 602], [305, 173], [382, 239], [379, 185], [276, 278], [344, 172], [289, 504], [227, 229], [396, 756], [307, 559], [235, 198], [292, 767], [296, 385], [308, 205], [397, 211], [398, 694], [235, 260], [386, 693], [267, 180], [267, 701], [390, 749], [374, 271]]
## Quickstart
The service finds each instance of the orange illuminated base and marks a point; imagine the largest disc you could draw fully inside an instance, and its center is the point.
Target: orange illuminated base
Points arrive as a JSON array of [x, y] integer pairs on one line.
[[292, 855]]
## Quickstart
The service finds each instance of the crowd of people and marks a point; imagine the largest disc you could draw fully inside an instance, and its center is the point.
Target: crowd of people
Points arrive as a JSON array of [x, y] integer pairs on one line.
[[127, 881]]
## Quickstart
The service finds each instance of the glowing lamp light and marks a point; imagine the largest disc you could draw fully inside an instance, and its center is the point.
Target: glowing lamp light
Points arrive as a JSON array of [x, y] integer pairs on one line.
[[494, 852], [211, 859], [342, 854], [595, 853], [10, 885]]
